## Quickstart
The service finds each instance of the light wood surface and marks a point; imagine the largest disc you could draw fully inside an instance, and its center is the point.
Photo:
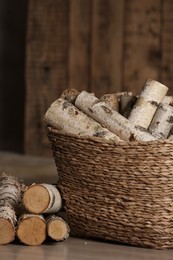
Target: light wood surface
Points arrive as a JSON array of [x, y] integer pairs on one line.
[[81, 249], [35, 169]]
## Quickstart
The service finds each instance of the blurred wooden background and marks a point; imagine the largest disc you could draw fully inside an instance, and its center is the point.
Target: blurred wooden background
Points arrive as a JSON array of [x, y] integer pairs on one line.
[[102, 46]]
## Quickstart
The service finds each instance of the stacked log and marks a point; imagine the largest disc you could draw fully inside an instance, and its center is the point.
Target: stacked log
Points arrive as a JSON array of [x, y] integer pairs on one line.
[[111, 119], [31, 214], [8, 222], [64, 116], [42, 198], [162, 122], [57, 228], [117, 117], [10, 200], [147, 103], [31, 229]]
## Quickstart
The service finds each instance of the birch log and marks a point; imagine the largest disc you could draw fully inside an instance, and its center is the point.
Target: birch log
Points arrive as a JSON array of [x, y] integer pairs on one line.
[[11, 190], [65, 116], [31, 229], [42, 198], [147, 103], [126, 105], [168, 100], [7, 223], [70, 94], [162, 122], [112, 100], [57, 228], [109, 118]]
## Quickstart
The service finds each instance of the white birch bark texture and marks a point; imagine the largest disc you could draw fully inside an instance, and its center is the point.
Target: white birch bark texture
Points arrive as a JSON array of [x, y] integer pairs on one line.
[[31, 229], [42, 198], [70, 94], [109, 118], [112, 100], [65, 116], [11, 190], [7, 223], [147, 103], [162, 122], [168, 100], [57, 228]]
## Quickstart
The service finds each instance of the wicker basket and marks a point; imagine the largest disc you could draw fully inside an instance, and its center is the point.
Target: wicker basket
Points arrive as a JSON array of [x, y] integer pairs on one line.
[[122, 192]]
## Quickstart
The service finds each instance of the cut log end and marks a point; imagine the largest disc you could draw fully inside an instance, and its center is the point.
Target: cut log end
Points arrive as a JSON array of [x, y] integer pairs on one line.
[[31, 230], [58, 229], [36, 199], [7, 231], [112, 100], [70, 95], [42, 198]]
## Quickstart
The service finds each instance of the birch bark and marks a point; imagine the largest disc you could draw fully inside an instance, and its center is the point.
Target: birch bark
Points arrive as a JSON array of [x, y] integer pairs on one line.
[[109, 118], [65, 116], [11, 190], [7, 223], [70, 94], [162, 122], [42, 198], [147, 103]]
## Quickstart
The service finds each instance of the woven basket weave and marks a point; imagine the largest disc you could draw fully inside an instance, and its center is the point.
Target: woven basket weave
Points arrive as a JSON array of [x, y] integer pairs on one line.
[[121, 192]]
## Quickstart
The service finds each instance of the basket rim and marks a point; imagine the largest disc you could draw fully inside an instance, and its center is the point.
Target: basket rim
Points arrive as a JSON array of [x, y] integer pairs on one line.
[[55, 131]]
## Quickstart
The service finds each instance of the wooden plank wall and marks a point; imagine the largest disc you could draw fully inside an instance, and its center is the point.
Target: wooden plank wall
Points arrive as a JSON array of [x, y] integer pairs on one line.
[[102, 46], [141, 43], [46, 67]]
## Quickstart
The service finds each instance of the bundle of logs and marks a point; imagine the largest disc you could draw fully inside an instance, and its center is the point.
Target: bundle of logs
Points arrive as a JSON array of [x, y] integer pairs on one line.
[[120, 117], [30, 214]]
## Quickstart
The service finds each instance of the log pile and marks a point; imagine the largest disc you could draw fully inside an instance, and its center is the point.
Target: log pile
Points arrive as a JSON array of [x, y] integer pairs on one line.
[[119, 117], [30, 214]]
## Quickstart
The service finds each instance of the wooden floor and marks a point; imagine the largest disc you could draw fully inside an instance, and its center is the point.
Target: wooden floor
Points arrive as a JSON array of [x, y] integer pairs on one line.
[[81, 249], [32, 169]]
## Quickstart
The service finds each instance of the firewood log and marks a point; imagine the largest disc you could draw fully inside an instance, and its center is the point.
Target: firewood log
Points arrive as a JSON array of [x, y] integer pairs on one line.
[[162, 122], [120, 101], [7, 222], [57, 228], [11, 190], [109, 118], [112, 100], [65, 116], [42, 198], [70, 94], [31, 229], [126, 105], [168, 100], [147, 103]]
